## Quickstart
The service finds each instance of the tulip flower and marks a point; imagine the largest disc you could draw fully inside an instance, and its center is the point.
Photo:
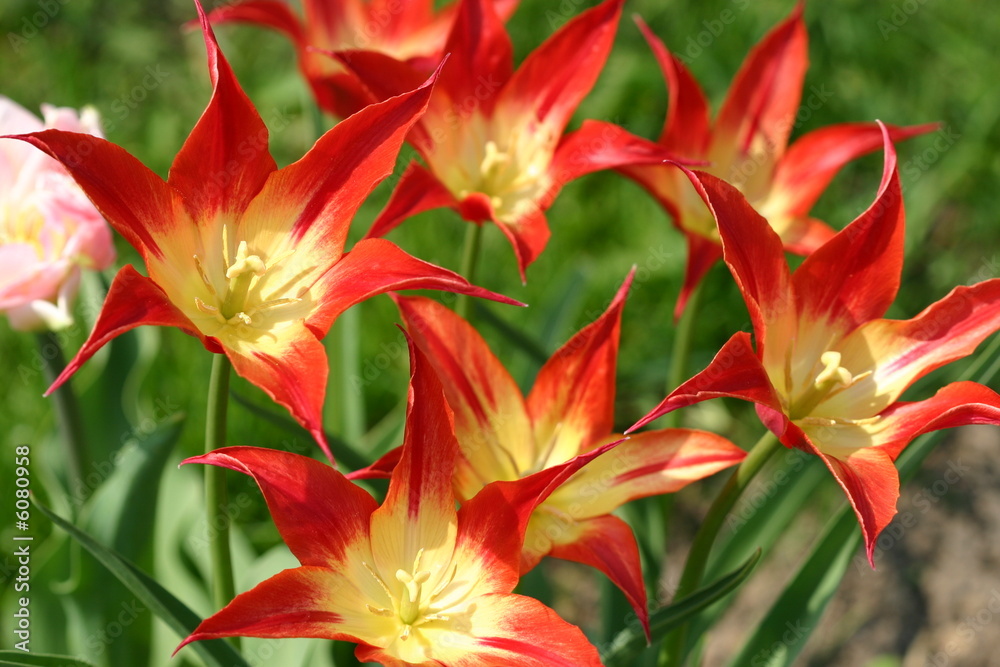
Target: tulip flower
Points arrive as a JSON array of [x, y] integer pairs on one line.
[[409, 30], [827, 372], [413, 581], [493, 141], [747, 146], [569, 411], [247, 257], [49, 231]]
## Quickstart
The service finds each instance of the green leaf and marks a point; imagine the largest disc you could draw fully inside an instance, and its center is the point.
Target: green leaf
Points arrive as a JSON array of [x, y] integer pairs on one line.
[[22, 659], [631, 641], [157, 599], [782, 634]]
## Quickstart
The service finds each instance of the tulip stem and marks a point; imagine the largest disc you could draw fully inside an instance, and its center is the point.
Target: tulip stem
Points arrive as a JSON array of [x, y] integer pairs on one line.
[[701, 547], [216, 494], [67, 410], [470, 255], [681, 351]]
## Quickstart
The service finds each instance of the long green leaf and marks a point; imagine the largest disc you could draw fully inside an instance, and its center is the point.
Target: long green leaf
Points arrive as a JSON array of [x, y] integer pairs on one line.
[[631, 641], [22, 659], [157, 599]]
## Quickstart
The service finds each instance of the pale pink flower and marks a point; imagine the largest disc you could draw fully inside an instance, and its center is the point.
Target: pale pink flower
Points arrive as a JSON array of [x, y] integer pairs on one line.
[[49, 230]]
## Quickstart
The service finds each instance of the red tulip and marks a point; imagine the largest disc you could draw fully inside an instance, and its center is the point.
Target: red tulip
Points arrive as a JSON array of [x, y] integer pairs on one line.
[[247, 257], [827, 371]]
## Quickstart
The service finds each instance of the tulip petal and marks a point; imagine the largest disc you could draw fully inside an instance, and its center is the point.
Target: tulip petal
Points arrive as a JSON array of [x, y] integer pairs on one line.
[[871, 483], [376, 266], [815, 158], [480, 51], [268, 13], [759, 112], [318, 512], [599, 145], [956, 404], [703, 253], [420, 497], [133, 300], [606, 543], [572, 402], [555, 77], [134, 200], [301, 602], [290, 366], [647, 464], [417, 191], [528, 236], [854, 277], [686, 128], [491, 418], [225, 160], [316, 197], [902, 351], [502, 629], [735, 372], [752, 251]]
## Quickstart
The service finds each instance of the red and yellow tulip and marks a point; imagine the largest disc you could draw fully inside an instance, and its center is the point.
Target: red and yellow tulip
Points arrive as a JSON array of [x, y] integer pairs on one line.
[[493, 140], [827, 372], [747, 145], [247, 257], [569, 412], [413, 581]]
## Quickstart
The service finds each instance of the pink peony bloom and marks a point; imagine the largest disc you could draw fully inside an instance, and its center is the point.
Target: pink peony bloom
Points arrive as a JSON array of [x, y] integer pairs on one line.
[[49, 230]]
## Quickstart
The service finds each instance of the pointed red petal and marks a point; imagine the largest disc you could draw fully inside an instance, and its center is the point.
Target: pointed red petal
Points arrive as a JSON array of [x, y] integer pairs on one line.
[[902, 351], [871, 483], [135, 201], [607, 544], [751, 249], [509, 630], [417, 191], [736, 372], [419, 508], [292, 603], [572, 402], [647, 464], [599, 145], [481, 53], [686, 128], [318, 512], [805, 235], [491, 419], [854, 277], [290, 366], [528, 236], [764, 98], [268, 13], [956, 404], [225, 160], [376, 266], [316, 197], [381, 469], [133, 300], [555, 77], [815, 158]]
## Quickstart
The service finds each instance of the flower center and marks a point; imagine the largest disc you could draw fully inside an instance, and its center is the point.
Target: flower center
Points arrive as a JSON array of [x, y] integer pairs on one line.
[[514, 178], [414, 606], [831, 379], [237, 305]]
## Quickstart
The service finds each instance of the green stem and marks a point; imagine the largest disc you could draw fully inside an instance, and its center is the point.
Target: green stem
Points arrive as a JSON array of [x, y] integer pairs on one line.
[[981, 359], [701, 547], [67, 409], [681, 351], [470, 255], [345, 367], [216, 494]]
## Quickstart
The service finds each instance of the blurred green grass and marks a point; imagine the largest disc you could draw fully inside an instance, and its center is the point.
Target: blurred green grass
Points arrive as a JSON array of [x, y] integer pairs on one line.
[[147, 77]]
